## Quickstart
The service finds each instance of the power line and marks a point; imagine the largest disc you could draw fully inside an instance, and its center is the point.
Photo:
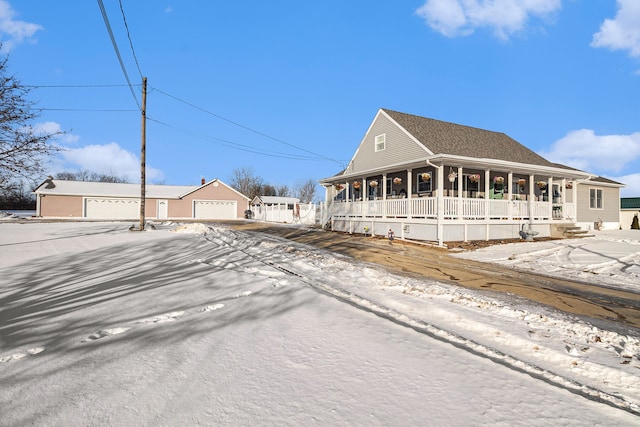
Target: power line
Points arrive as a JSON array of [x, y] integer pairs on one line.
[[235, 145], [85, 110], [246, 127], [135, 58], [74, 86], [105, 18]]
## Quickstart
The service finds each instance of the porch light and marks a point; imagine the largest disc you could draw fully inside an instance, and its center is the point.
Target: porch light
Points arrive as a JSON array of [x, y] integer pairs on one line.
[[452, 175]]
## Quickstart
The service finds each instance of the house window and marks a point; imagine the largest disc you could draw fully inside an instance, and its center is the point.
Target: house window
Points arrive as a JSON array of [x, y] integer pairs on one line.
[[381, 141], [424, 182], [595, 198]]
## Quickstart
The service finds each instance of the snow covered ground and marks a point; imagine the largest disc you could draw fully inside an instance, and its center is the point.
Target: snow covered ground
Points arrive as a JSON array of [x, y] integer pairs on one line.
[[609, 258], [206, 325]]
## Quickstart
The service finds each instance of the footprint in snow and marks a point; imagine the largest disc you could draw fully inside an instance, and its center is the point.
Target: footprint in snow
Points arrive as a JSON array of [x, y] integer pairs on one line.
[[169, 317], [212, 307], [21, 355], [105, 333]]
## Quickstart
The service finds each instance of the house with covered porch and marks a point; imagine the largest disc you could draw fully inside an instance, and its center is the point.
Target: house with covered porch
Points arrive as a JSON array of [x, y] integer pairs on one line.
[[437, 181]]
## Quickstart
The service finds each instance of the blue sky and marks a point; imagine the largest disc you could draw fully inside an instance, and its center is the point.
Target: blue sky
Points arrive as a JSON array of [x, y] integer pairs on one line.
[[289, 88]]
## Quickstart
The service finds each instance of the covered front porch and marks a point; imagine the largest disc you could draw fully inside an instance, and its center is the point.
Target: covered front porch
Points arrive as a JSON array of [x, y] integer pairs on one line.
[[441, 202]]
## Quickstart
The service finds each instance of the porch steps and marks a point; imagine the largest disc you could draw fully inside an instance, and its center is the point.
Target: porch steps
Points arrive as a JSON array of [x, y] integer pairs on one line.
[[573, 232]]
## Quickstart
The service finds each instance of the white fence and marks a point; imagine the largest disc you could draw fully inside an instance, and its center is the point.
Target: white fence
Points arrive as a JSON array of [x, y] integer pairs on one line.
[[302, 213]]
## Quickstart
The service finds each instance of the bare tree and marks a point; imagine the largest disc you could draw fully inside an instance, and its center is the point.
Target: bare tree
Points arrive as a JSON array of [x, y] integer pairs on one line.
[[306, 191], [85, 175], [268, 190], [23, 148], [283, 191], [17, 195], [245, 181]]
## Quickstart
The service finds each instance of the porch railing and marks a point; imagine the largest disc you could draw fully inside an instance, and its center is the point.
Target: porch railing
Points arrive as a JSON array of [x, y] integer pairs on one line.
[[454, 208]]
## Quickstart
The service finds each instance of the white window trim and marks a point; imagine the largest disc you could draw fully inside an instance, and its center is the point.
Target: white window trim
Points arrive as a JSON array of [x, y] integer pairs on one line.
[[596, 208], [380, 142]]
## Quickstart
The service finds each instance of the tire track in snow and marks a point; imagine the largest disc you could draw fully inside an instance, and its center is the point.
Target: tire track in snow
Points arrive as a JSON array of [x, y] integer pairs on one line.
[[437, 333]]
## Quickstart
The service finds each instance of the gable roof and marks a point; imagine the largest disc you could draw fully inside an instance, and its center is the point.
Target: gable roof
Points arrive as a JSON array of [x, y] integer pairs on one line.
[[458, 140], [110, 189], [274, 200]]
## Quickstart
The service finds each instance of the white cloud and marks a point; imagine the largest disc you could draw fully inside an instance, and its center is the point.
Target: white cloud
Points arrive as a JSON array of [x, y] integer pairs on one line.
[[632, 183], [18, 31], [109, 159], [505, 17], [601, 154], [53, 127], [622, 32]]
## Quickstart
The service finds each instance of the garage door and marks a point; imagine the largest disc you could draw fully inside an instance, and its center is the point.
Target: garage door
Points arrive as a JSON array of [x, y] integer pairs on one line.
[[103, 208], [215, 209]]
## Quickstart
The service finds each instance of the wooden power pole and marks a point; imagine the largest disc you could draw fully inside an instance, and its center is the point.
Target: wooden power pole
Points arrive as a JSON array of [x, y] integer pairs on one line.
[[143, 152]]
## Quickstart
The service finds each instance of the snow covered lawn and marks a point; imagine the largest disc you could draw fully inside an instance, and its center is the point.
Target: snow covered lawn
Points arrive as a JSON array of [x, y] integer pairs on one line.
[[195, 325]]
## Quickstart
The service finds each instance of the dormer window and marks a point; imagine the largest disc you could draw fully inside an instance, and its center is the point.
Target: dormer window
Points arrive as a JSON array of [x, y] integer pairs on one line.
[[381, 142]]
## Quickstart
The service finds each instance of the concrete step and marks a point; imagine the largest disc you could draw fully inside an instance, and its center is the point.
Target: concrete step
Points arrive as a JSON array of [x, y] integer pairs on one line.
[[575, 233]]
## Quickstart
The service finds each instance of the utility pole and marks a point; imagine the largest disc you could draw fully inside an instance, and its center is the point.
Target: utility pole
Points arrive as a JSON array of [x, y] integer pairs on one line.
[[143, 152]]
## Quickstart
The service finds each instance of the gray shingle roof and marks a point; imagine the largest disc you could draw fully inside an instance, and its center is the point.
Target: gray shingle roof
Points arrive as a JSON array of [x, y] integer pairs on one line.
[[605, 180], [449, 138]]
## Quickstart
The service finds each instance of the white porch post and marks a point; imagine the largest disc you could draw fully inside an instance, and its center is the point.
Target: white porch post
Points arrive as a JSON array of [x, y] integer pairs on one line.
[[531, 196], [409, 192], [460, 185], [487, 180], [574, 199], [440, 204], [384, 195], [384, 186], [550, 196], [347, 192], [510, 194]]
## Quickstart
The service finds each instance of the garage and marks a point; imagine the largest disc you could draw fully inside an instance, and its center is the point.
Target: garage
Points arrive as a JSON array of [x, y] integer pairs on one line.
[[111, 208], [215, 209], [212, 200]]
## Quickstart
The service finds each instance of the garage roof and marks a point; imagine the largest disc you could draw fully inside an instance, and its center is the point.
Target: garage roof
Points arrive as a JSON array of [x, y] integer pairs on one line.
[[109, 189]]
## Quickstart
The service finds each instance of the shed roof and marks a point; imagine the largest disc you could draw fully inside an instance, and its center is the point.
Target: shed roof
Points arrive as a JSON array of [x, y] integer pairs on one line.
[[630, 203], [274, 200]]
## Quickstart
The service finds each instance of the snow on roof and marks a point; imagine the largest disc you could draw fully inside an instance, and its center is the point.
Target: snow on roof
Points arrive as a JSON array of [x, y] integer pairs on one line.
[[109, 189], [274, 200]]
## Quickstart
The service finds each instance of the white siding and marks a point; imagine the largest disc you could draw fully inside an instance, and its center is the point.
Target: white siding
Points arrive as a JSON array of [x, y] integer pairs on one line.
[[399, 147]]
